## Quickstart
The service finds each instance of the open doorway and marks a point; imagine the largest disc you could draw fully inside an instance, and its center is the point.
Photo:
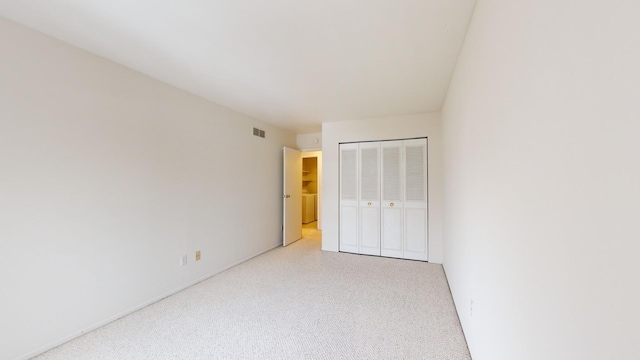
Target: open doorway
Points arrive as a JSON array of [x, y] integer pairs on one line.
[[311, 195]]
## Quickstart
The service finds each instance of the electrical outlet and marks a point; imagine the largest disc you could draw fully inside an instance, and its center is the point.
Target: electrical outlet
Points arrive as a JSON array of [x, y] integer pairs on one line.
[[183, 260], [197, 255], [471, 307]]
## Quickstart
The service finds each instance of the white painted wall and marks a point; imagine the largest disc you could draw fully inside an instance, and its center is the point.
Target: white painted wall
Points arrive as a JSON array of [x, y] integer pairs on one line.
[[542, 174], [309, 142], [108, 176], [394, 127]]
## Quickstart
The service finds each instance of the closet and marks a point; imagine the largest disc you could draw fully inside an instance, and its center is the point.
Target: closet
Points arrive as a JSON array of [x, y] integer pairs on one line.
[[383, 198]]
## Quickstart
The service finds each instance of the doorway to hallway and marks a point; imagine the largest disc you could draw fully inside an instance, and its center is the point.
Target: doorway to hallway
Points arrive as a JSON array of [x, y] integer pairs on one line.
[[301, 186]]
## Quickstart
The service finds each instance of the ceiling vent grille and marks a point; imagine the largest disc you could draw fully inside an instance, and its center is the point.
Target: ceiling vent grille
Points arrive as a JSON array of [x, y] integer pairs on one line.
[[258, 132]]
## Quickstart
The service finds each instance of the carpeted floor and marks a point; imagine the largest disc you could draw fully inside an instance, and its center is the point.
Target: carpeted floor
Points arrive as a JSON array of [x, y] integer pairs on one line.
[[296, 302]]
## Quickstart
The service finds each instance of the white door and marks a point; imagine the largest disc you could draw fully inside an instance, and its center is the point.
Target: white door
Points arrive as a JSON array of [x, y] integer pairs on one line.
[[415, 199], [383, 198], [391, 200], [292, 196], [349, 198], [369, 201]]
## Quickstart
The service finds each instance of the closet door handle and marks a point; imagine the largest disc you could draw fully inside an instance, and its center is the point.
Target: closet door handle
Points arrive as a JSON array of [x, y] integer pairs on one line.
[[369, 204], [391, 204]]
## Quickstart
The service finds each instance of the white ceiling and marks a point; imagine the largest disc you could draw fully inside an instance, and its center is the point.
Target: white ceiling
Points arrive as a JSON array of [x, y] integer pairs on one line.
[[291, 63]]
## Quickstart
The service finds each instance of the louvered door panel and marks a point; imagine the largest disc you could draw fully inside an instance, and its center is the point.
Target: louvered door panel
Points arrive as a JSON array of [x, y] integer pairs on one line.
[[349, 198], [415, 201], [391, 203], [369, 198]]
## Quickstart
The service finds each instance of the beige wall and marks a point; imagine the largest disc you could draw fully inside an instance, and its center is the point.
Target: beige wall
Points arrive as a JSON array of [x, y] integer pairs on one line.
[[542, 182], [106, 178]]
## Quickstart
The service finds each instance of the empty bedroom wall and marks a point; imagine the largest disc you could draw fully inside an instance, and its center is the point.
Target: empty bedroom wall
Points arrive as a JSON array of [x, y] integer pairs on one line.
[[107, 177], [542, 180]]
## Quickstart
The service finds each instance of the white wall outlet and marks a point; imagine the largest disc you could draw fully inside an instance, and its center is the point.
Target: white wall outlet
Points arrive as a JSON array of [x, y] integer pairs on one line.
[[471, 307], [183, 260]]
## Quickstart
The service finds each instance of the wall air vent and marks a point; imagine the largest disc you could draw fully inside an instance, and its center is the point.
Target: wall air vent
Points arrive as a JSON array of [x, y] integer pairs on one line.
[[258, 132]]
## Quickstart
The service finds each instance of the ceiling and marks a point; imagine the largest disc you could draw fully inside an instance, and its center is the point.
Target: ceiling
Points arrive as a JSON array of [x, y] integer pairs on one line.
[[292, 63]]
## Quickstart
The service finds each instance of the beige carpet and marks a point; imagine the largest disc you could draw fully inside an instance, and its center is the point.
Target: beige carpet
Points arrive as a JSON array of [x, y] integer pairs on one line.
[[296, 302]]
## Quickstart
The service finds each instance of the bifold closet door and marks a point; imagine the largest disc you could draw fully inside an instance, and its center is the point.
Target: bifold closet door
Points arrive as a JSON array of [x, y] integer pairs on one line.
[[415, 204], [404, 199], [369, 200], [383, 198], [391, 203], [349, 198]]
